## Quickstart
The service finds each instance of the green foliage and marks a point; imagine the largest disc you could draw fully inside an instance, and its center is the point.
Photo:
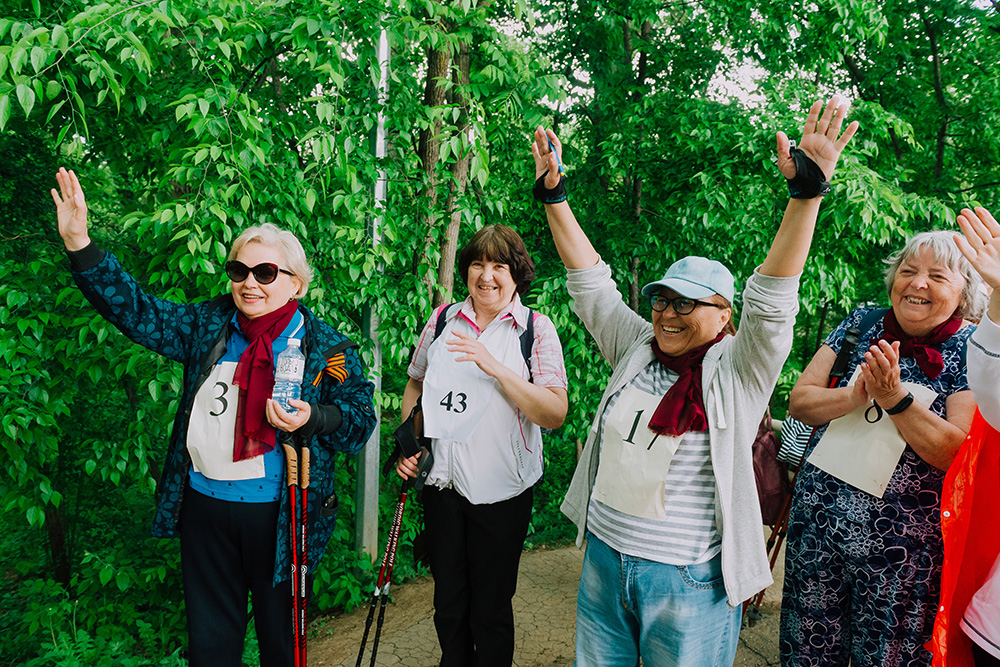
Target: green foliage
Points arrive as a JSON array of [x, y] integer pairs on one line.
[[189, 121]]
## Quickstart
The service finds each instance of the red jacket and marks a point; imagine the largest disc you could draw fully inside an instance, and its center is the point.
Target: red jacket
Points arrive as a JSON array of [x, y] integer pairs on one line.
[[970, 505]]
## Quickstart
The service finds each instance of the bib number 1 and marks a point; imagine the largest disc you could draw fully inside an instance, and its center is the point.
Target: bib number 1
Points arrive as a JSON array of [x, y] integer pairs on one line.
[[635, 425], [454, 402]]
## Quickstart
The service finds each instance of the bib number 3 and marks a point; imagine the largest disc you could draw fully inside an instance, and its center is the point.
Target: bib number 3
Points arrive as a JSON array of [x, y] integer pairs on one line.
[[454, 402]]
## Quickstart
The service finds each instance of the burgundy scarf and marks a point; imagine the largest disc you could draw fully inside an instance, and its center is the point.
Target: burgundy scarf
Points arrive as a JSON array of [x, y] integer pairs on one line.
[[682, 408], [921, 348], [255, 378]]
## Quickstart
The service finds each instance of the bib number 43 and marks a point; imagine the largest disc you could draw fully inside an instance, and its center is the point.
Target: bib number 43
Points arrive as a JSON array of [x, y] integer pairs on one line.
[[454, 402]]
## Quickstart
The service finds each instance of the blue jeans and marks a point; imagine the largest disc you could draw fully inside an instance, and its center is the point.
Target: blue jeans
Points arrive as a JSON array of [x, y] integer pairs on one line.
[[629, 607]]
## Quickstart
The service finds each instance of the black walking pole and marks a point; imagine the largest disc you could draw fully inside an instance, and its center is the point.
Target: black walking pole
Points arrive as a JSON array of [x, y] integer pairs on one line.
[[384, 576], [409, 442]]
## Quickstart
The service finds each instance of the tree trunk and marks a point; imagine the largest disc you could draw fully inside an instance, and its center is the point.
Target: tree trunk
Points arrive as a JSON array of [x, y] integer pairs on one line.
[[459, 179], [429, 150], [55, 529], [633, 284]]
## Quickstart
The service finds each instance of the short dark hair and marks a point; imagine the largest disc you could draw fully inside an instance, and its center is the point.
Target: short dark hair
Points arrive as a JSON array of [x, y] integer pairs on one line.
[[500, 244]]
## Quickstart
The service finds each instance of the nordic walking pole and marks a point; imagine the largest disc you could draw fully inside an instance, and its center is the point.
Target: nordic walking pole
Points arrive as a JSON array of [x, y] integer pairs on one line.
[[839, 370], [292, 468], [303, 599], [384, 572], [388, 572]]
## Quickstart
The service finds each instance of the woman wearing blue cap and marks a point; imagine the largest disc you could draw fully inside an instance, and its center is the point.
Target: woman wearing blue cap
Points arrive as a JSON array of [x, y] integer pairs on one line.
[[664, 492]]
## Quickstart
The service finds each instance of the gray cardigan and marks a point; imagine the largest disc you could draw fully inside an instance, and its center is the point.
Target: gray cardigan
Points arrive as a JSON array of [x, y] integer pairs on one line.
[[738, 375]]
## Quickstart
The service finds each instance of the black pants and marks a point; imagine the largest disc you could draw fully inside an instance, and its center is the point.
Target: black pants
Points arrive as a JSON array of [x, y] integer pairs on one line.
[[227, 554], [474, 552], [982, 658]]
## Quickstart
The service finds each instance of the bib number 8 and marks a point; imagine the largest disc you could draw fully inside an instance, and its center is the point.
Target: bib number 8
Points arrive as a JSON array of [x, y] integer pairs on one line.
[[450, 403]]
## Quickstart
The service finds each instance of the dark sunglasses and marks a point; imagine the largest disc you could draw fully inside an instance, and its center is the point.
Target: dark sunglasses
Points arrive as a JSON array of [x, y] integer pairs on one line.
[[682, 305], [264, 273]]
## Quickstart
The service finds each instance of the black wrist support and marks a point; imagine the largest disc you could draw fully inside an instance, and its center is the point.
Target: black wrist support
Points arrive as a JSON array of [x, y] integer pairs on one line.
[[809, 181], [547, 196]]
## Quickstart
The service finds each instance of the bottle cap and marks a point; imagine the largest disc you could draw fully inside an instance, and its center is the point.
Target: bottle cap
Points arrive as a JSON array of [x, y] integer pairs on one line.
[[294, 342]]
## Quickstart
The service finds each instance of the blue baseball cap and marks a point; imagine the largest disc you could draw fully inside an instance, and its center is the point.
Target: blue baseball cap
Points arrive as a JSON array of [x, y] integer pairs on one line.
[[696, 277]]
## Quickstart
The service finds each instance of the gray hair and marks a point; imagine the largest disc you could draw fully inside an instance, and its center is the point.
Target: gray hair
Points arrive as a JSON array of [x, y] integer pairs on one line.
[[286, 242], [972, 303]]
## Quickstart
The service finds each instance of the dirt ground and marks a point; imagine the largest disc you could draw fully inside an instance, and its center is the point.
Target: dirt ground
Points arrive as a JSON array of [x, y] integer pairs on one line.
[[544, 611]]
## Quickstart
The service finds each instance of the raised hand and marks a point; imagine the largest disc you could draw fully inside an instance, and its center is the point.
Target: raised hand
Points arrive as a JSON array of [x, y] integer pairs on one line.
[[71, 211], [822, 140], [981, 245], [545, 159]]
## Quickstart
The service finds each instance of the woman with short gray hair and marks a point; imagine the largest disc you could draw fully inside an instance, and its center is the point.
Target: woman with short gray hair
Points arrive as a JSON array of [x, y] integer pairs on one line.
[[864, 552]]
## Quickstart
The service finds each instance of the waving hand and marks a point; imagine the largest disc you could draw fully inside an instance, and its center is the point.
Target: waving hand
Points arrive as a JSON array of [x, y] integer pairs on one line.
[[71, 210]]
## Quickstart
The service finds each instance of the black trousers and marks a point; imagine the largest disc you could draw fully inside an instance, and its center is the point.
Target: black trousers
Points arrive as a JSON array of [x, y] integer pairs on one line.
[[227, 555], [474, 552], [982, 658]]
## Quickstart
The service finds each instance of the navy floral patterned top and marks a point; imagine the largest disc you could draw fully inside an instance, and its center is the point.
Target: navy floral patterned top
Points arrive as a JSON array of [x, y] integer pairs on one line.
[[912, 500]]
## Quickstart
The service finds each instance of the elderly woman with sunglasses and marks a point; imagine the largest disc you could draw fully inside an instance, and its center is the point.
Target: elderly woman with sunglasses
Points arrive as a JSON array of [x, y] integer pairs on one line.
[[664, 491], [223, 489]]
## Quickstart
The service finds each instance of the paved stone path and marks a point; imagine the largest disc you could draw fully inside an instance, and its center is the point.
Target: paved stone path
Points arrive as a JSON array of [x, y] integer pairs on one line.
[[544, 611]]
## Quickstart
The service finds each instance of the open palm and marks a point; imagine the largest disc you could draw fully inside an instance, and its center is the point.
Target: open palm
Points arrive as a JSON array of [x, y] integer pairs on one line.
[[71, 210], [822, 139], [981, 245]]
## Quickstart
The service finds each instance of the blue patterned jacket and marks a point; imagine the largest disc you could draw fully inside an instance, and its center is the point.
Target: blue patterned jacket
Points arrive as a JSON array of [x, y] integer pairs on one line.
[[195, 334]]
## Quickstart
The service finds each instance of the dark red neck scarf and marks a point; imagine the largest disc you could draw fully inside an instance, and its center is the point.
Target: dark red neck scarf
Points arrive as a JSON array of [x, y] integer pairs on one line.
[[921, 348], [255, 378], [682, 408]]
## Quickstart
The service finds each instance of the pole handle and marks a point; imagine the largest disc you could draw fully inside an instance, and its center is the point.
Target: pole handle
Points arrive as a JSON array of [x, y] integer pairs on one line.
[[291, 464]]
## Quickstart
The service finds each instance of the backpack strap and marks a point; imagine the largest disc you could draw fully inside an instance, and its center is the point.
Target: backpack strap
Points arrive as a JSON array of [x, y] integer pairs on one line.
[[442, 318], [871, 318]]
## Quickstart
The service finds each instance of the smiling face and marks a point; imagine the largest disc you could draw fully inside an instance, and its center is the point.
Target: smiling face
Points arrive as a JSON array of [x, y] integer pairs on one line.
[[925, 293], [490, 285], [254, 299], [676, 334]]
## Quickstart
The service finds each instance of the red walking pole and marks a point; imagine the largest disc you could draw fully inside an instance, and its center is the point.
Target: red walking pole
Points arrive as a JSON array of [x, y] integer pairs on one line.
[[303, 597], [292, 469]]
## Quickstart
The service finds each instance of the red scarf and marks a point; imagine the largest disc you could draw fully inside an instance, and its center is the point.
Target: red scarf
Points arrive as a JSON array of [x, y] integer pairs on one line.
[[682, 408], [255, 378], [921, 348]]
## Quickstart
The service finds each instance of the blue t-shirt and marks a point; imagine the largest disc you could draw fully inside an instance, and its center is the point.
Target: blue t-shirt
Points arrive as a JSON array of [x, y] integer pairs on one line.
[[267, 488]]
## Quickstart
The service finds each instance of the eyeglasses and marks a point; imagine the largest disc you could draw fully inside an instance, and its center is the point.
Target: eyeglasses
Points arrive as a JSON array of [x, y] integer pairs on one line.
[[265, 273], [682, 305]]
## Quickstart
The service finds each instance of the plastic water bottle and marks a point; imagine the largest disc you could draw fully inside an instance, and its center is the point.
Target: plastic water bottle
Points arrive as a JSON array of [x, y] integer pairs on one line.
[[288, 370]]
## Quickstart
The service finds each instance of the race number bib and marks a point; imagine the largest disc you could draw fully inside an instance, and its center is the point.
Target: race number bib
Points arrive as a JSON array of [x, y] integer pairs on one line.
[[863, 447], [634, 460], [456, 395], [212, 428]]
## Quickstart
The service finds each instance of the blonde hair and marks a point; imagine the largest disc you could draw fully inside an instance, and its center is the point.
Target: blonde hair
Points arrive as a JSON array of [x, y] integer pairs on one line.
[[287, 243]]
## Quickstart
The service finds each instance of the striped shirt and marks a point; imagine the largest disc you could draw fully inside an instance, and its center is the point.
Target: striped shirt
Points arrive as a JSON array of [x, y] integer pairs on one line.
[[689, 533]]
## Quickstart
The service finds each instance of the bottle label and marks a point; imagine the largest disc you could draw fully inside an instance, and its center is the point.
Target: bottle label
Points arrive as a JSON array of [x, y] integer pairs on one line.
[[290, 367]]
